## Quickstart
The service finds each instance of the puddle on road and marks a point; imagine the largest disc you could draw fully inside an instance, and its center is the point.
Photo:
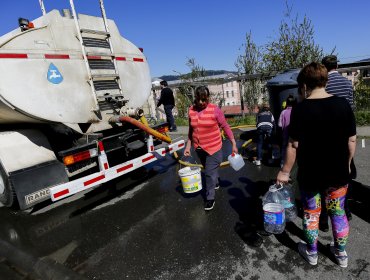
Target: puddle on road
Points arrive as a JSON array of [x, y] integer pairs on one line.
[[129, 194]]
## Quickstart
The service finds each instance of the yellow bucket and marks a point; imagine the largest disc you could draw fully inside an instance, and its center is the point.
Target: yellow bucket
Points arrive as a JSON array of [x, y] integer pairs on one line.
[[191, 179]]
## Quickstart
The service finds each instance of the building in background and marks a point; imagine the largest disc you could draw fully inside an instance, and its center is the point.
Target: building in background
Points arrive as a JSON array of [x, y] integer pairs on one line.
[[226, 89]]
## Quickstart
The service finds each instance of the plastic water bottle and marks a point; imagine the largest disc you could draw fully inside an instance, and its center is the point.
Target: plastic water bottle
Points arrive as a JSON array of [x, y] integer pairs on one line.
[[273, 211], [286, 191], [236, 161]]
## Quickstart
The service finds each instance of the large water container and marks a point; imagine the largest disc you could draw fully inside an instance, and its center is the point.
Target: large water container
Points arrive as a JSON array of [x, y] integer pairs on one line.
[[236, 161], [286, 190], [273, 211]]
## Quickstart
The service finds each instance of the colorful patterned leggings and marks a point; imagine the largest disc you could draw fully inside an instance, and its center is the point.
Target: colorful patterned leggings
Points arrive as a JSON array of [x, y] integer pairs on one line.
[[334, 200]]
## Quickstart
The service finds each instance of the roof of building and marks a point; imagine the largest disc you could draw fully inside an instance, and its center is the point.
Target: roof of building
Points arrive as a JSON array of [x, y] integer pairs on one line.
[[207, 79]]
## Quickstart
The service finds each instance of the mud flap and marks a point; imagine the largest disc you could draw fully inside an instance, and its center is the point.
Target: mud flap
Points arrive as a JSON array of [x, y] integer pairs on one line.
[[32, 184]]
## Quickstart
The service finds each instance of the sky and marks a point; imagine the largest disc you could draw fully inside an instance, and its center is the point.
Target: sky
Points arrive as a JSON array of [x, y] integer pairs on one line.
[[212, 32]]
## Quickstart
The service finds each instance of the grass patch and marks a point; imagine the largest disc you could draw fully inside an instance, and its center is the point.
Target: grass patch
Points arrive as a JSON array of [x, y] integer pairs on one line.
[[237, 121]]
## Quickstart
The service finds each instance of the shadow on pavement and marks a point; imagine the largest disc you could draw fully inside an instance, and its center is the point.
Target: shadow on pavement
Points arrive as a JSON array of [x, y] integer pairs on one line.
[[248, 205], [358, 199]]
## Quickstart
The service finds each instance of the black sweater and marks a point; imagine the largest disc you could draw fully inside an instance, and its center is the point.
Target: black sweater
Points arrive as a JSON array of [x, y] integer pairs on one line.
[[166, 97]]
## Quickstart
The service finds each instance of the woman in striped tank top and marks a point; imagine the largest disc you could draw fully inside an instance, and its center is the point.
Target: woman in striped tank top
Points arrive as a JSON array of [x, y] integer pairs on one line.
[[205, 121]]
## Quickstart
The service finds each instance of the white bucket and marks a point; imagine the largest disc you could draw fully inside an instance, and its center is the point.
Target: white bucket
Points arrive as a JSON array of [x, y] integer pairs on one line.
[[236, 161], [191, 179]]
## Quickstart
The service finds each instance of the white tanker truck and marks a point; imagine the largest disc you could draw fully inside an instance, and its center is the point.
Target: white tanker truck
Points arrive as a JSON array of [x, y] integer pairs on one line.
[[68, 84]]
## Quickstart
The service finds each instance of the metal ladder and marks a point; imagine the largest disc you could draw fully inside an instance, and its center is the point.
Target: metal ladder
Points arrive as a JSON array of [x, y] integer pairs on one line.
[[105, 87]]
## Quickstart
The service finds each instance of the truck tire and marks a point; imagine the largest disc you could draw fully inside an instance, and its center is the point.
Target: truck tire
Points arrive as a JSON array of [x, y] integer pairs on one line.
[[7, 194]]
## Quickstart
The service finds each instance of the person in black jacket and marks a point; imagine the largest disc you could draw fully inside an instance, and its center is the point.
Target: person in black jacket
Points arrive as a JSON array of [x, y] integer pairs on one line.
[[265, 124], [168, 102]]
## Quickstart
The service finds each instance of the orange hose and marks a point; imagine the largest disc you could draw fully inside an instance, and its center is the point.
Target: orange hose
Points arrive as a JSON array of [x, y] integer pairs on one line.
[[147, 129]]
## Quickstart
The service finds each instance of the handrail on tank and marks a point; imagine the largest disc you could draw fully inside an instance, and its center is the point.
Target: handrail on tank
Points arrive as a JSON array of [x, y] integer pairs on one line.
[[41, 2]]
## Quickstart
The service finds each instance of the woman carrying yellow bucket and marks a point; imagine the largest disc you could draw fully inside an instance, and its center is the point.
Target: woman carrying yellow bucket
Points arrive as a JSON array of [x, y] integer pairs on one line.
[[205, 121]]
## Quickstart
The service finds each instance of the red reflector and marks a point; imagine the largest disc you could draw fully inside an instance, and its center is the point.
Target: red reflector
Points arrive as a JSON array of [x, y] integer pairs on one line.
[[61, 193], [81, 156], [13, 55], [181, 145], [148, 158], [101, 177], [93, 57], [124, 167], [101, 146], [57, 56], [120, 58], [138, 59]]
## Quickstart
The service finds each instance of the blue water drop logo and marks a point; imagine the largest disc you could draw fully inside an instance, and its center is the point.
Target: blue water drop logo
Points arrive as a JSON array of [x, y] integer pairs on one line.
[[54, 76]]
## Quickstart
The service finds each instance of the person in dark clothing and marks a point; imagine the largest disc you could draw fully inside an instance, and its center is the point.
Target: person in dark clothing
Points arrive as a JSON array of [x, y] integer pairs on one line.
[[322, 137], [265, 124], [168, 101]]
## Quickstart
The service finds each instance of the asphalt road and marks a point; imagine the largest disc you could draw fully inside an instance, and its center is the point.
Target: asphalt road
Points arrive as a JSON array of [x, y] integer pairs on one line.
[[145, 227]]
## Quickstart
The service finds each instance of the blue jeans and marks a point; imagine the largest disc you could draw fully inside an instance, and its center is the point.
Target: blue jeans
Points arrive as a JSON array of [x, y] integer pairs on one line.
[[169, 117], [262, 135]]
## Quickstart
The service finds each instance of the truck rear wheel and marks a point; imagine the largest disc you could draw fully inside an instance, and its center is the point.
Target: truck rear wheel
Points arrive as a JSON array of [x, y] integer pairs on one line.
[[7, 194]]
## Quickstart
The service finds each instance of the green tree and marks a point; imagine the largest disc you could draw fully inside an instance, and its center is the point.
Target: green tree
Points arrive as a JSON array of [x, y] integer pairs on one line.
[[362, 102], [185, 92], [250, 62], [183, 101], [362, 96], [295, 45], [189, 82]]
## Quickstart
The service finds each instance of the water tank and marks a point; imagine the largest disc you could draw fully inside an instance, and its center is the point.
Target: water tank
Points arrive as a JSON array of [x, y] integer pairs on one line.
[[43, 76], [280, 87]]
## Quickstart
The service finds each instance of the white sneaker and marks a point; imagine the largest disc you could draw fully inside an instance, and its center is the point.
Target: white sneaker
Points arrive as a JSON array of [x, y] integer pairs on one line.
[[257, 162], [311, 258], [341, 257]]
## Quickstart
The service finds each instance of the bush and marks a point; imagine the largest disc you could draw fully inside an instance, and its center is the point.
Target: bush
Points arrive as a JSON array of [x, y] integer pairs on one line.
[[362, 118], [247, 120], [233, 121], [362, 103], [181, 121]]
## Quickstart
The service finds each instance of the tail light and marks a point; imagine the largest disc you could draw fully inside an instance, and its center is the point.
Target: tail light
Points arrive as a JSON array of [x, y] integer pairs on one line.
[[71, 159], [163, 129]]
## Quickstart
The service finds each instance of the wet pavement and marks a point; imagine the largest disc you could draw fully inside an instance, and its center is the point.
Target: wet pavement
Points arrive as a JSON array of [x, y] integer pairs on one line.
[[145, 227]]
